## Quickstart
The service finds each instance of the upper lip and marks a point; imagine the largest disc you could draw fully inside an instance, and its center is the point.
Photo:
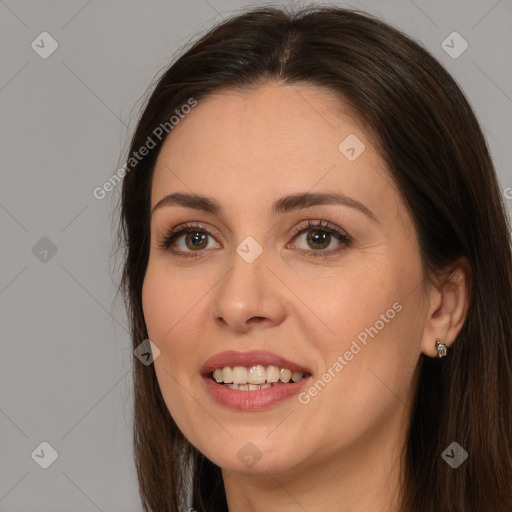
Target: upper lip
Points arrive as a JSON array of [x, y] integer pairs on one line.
[[233, 358]]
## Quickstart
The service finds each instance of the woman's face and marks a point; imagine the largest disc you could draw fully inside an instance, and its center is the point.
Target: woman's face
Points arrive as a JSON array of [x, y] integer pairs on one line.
[[350, 308]]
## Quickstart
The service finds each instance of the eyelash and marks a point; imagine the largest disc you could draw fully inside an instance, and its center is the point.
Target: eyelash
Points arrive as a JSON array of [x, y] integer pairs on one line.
[[171, 235]]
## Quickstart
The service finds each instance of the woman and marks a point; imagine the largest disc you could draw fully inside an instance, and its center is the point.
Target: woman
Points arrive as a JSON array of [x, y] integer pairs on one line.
[[318, 250]]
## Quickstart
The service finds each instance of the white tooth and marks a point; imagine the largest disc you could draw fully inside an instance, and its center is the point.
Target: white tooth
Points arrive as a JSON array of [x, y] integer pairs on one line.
[[232, 386], [256, 375], [296, 376], [265, 386], [243, 387], [272, 374], [227, 374], [254, 387], [217, 375], [285, 375], [240, 375]]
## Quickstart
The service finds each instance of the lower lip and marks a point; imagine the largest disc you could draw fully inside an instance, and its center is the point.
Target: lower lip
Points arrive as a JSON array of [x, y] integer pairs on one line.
[[252, 400]]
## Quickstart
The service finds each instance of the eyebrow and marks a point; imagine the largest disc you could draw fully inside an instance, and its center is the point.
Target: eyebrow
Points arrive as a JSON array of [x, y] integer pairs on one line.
[[282, 205]]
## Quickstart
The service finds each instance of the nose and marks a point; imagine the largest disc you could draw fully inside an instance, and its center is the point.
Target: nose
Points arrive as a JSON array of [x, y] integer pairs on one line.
[[249, 296]]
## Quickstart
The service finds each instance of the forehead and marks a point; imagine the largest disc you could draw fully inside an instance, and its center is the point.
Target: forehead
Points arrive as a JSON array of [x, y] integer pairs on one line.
[[262, 143]]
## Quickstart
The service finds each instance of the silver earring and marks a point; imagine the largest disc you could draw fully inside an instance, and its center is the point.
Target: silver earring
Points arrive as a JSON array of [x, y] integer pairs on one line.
[[442, 349]]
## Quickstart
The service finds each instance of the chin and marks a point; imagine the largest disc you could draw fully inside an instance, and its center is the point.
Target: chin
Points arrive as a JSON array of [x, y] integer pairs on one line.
[[255, 457]]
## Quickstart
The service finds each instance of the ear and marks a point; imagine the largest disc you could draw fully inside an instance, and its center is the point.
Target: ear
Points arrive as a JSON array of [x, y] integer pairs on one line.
[[449, 301]]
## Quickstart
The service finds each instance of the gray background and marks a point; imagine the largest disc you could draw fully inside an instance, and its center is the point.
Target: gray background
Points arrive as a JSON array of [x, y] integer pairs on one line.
[[65, 123]]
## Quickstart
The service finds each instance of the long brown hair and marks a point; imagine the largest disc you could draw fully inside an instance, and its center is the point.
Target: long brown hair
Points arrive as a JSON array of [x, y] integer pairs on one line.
[[428, 135]]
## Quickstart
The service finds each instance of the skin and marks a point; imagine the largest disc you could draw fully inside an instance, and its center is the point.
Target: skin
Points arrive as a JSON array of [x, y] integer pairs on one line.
[[342, 450]]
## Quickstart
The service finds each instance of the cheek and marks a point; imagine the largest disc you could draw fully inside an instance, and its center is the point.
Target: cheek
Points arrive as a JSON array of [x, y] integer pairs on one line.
[[157, 302], [369, 363], [366, 330], [168, 305], [374, 300], [170, 308], [347, 304]]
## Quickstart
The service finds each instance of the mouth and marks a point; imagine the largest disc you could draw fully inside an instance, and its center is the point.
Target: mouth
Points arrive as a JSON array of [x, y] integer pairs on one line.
[[253, 378], [265, 377]]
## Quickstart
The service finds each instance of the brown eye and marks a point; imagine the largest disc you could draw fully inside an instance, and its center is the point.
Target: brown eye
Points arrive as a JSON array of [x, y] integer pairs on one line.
[[195, 240], [319, 236], [187, 239]]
